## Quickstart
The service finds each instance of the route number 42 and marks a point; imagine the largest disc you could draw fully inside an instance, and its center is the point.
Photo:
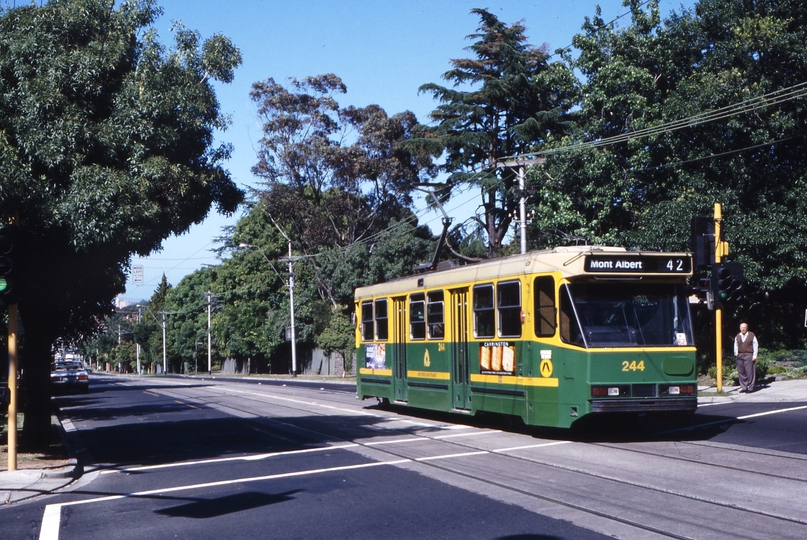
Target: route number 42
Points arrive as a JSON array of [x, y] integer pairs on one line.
[[633, 366], [676, 265]]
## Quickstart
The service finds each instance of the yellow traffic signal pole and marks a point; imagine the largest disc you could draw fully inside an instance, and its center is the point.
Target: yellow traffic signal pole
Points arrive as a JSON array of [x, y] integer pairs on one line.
[[721, 250], [12, 387], [12, 382]]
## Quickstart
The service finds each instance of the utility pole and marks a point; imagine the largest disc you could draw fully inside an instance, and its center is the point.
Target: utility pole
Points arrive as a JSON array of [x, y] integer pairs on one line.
[[209, 361], [522, 190], [165, 363], [138, 343], [291, 304], [291, 260]]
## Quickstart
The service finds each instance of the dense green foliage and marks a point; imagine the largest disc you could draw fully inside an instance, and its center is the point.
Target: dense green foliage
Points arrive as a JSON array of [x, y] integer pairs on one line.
[[503, 102], [106, 149], [336, 196], [705, 107], [645, 123]]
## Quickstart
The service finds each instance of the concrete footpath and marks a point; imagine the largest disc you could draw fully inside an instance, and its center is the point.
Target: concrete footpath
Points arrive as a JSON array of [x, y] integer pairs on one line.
[[16, 486], [27, 483]]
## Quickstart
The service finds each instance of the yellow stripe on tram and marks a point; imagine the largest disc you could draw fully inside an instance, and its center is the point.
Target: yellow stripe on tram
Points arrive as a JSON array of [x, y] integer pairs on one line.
[[549, 382], [371, 371], [434, 375]]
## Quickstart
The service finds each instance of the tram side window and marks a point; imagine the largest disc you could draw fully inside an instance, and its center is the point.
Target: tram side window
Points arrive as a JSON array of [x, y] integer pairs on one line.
[[544, 306], [509, 304], [484, 312], [381, 321], [417, 316], [367, 322], [434, 309]]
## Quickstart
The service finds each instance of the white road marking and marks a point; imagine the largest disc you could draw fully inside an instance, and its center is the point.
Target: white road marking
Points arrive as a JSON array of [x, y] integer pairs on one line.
[[730, 420], [51, 520], [300, 402], [455, 435], [449, 456], [771, 412], [255, 457], [542, 445]]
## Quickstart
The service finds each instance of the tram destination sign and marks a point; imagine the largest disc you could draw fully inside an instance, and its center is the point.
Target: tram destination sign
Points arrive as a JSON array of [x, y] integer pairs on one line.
[[638, 263]]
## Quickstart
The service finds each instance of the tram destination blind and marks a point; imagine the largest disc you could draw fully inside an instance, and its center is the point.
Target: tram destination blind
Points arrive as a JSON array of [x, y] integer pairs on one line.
[[638, 264]]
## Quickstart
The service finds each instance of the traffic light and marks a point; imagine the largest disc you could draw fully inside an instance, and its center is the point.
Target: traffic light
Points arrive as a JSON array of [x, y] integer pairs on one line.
[[9, 289], [727, 283]]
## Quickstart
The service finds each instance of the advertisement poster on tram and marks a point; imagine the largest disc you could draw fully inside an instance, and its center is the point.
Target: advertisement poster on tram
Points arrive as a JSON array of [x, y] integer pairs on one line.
[[497, 358], [376, 356]]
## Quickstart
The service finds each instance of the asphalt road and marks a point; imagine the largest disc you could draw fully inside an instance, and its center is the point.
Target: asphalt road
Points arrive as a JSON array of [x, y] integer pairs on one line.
[[181, 458]]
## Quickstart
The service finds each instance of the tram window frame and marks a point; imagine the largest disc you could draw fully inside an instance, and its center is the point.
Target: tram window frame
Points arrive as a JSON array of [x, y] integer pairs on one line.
[[570, 331], [367, 321], [381, 319], [509, 314], [417, 321], [484, 314], [546, 323], [435, 314]]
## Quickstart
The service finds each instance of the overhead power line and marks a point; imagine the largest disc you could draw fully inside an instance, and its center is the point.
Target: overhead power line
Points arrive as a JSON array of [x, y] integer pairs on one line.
[[767, 100]]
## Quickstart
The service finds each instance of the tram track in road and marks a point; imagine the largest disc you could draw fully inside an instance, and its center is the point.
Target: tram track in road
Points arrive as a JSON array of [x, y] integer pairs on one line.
[[602, 477], [386, 448], [446, 462], [795, 459]]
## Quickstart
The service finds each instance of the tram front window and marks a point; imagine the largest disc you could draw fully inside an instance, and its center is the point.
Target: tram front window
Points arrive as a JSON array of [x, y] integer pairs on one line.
[[625, 315]]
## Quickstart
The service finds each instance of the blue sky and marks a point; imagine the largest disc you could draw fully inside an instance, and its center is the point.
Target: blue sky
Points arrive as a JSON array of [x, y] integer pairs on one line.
[[382, 49]]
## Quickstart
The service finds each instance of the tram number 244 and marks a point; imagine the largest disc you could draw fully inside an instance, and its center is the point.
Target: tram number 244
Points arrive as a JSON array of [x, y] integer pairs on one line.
[[633, 365]]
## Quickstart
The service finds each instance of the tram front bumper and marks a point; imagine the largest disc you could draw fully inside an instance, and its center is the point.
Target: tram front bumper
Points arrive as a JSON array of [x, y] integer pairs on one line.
[[688, 404]]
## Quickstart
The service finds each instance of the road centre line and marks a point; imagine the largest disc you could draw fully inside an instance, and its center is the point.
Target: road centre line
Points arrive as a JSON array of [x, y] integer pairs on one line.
[[186, 404], [258, 457], [255, 457], [298, 401]]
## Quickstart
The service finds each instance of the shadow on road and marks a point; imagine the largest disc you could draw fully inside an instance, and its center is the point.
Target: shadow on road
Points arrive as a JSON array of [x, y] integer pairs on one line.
[[228, 504]]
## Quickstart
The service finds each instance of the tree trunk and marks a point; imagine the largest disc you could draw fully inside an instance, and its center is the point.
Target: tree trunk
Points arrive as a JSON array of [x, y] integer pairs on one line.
[[37, 405]]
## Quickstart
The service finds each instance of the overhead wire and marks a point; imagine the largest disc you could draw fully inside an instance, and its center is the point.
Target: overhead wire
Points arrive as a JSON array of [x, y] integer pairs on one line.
[[766, 100]]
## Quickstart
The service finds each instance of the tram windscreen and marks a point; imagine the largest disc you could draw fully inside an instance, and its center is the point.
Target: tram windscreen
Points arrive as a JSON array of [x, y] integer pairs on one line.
[[625, 315]]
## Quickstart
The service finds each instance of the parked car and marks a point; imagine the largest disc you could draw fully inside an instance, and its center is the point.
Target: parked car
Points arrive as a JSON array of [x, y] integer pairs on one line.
[[66, 376]]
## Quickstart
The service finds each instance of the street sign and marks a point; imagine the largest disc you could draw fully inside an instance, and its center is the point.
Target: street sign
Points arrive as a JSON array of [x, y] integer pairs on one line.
[[137, 275]]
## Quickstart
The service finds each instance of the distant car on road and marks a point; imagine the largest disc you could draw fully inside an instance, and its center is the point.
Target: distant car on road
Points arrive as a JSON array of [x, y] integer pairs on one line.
[[67, 376]]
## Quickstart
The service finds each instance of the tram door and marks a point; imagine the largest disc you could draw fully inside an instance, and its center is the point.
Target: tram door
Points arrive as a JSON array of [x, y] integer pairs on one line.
[[460, 377], [399, 346]]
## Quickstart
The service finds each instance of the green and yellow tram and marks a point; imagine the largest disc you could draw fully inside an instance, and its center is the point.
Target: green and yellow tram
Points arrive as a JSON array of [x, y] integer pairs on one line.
[[549, 336]]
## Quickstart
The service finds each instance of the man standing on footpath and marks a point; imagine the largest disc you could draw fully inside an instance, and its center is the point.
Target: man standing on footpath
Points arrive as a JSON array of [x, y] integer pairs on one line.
[[746, 348]]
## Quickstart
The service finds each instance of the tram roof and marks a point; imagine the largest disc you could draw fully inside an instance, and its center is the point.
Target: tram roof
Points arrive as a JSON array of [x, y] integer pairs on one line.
[[569, 261]]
